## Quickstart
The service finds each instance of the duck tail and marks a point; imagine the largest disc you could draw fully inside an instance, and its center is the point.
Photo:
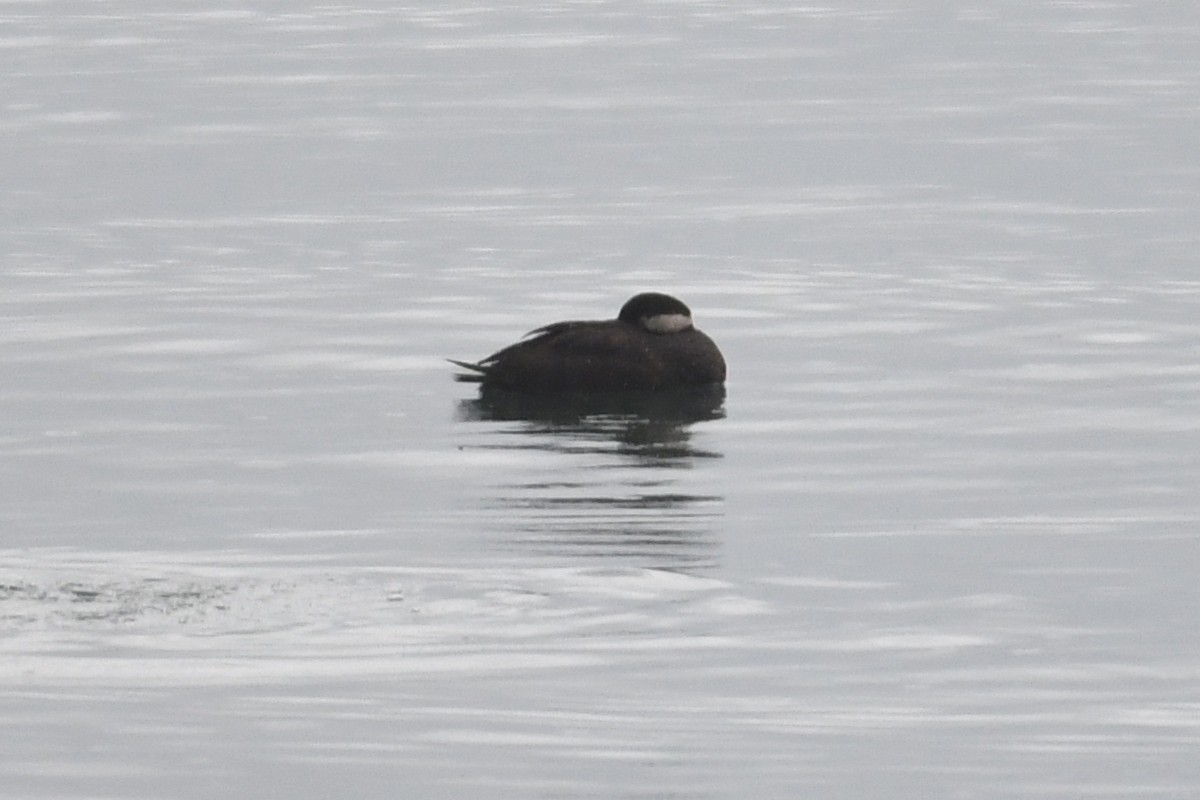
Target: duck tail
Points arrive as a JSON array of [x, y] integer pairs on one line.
[[475, 372]]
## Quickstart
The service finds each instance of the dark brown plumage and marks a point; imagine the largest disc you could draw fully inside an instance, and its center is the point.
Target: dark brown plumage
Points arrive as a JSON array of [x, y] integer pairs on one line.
[[651, 345]]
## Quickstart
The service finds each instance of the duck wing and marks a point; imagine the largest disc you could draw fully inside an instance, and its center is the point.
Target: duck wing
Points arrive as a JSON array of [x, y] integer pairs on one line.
[[546, 335], [551, 337]]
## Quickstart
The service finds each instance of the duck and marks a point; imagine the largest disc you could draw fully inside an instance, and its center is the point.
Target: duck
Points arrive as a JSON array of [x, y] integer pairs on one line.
[[651, 345]]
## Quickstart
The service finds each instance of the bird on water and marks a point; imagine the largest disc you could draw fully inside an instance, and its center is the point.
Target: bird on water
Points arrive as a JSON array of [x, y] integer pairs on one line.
[[651, 345]]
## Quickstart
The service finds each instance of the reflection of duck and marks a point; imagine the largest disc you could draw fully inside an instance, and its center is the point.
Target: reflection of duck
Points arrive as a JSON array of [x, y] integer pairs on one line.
[[651, 345], [674, 406], [621, 479], [651, 425]]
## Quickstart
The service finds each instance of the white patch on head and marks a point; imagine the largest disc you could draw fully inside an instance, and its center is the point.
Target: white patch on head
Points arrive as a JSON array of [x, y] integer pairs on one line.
[[667, 323]]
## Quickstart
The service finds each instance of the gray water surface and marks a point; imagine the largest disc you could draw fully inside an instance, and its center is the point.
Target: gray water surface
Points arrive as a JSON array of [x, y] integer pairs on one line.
[[938, 540]]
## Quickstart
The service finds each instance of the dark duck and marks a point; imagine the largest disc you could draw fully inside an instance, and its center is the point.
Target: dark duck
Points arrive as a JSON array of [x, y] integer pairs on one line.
[[651, 345]]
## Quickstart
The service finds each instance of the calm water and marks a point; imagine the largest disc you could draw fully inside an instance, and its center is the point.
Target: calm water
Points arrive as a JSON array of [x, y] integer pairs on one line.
[[939, 540]]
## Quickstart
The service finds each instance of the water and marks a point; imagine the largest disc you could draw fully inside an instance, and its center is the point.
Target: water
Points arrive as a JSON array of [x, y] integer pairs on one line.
[[937, 541]]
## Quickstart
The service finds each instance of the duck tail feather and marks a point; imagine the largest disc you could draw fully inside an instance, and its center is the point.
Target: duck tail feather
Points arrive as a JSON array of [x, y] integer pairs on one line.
[[475, 374]]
